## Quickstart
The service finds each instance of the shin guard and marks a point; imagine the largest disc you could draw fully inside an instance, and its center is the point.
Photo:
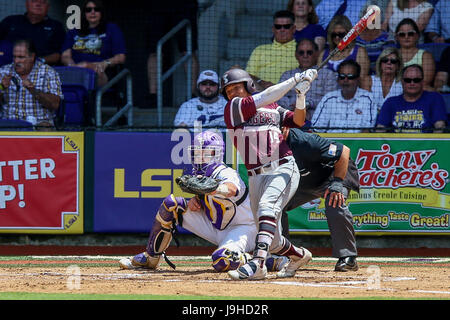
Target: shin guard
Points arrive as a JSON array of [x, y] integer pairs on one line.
[[168, 216]]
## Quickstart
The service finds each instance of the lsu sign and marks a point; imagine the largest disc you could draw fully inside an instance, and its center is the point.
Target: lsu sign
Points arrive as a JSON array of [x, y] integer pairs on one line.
[[134, 172]]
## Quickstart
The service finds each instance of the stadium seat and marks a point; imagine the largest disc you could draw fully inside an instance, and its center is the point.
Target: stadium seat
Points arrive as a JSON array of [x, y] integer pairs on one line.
[[5, 52], [77, 85], [435, 49]]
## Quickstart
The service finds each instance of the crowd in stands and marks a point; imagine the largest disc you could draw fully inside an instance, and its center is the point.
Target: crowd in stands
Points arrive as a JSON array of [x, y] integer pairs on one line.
[[375, 82]]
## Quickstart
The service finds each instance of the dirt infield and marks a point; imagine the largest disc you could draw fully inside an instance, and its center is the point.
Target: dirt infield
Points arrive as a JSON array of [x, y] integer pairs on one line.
[[23, 250], [383, 277]]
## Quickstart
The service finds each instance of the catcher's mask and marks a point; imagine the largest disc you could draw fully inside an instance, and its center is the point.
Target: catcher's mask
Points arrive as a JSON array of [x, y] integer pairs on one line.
[[206, 152], [236, 75]]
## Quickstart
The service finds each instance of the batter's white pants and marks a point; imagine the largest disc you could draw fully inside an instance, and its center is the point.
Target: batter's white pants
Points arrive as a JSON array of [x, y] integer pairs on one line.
[[270, 192]]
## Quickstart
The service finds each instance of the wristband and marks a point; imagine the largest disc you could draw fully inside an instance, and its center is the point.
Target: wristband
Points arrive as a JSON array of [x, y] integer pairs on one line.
[[300, 103], [336, 185]]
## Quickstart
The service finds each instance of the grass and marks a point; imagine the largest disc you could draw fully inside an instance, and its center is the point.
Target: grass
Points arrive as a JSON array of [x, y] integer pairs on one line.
[[76, 296]]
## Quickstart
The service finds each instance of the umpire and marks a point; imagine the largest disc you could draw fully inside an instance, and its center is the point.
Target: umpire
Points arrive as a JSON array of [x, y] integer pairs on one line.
[[326, 170]]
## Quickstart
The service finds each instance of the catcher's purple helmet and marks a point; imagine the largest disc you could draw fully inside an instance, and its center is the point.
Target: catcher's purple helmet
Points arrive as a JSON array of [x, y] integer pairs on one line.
[[207, 152], [236, 75]]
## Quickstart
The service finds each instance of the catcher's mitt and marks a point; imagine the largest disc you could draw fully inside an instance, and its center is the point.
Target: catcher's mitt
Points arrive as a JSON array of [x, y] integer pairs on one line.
[[198, 185]]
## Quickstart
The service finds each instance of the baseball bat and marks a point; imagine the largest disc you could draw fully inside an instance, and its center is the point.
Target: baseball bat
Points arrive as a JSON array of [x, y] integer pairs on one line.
[[373, 11]]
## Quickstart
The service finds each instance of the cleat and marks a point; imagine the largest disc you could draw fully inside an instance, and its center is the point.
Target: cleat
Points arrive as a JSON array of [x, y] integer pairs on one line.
[[249, 271], [290, 268], [141, 260], [126, 263], [276, 263], [346, 264]]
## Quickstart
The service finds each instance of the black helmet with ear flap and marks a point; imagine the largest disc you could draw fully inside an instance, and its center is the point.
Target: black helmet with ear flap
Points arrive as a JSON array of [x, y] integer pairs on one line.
[[236, 75]]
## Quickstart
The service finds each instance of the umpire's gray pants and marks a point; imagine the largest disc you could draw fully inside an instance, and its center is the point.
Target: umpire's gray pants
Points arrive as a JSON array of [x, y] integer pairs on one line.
[[340, 221]]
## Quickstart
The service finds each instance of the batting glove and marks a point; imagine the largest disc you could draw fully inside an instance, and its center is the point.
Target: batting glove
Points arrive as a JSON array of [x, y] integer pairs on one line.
[[309, 75], [303, 87]]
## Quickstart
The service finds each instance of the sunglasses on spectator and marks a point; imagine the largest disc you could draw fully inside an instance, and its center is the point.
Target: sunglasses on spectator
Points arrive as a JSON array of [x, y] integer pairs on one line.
[[338, 34], [404, 34], [411, 80], [349, 76], [308, 52], [284, 26], [386, 60], [90, 9]]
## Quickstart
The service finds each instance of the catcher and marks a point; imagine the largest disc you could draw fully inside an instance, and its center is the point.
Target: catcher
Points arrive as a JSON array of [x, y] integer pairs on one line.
[[222, 217]]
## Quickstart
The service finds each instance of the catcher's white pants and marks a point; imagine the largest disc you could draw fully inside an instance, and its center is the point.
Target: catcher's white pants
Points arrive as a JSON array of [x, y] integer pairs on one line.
[[239, 235]]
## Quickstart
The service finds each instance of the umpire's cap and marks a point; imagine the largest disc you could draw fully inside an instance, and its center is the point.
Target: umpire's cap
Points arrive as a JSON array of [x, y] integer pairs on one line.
[[236, 75]]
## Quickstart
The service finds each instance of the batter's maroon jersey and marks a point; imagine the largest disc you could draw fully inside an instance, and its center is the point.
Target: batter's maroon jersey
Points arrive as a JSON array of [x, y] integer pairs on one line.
[[256, 133]]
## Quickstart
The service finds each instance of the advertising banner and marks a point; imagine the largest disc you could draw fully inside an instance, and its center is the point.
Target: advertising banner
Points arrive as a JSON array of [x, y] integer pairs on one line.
[[134, 172], [404, 182], [41, 182]]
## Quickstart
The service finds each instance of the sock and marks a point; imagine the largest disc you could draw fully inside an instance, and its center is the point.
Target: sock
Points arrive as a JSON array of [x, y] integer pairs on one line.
[[289, 250], [266, 232]]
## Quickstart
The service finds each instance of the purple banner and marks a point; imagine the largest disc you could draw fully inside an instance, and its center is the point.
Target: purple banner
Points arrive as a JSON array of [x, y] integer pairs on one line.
[[134, 172]]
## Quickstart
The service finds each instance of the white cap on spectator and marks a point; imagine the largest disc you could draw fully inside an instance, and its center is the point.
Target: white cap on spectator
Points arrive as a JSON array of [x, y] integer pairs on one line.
[[208, 75]]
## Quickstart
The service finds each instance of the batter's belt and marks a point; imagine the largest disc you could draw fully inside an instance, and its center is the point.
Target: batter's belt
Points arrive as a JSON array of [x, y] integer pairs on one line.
[[267, 167]]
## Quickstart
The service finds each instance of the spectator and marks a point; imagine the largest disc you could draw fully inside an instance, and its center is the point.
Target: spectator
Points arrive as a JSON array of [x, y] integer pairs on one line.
[[416, 109], [99, 45], [407, 35], [30, 89], [163, 18], [419, 11], [441, 81], [207, 108], [306, 54], [306, 22], [339, 27], [438, 29], [350, 109], [268, 61], [373, 40], [46, 33], [327, 9], [386, 83]]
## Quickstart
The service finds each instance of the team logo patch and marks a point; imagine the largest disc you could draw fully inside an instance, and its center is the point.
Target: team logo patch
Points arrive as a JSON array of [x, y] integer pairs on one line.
[[332, 150], [225, 78]]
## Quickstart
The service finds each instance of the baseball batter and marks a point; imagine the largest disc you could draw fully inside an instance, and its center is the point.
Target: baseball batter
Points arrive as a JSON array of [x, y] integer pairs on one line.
[[254, 124], [223, 217]]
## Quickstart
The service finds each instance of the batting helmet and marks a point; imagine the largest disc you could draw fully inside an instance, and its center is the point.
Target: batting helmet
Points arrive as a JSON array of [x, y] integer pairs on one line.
[[236, 75]]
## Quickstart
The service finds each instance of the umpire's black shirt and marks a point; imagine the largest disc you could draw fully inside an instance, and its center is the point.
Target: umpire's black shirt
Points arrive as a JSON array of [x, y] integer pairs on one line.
[[315, 157]]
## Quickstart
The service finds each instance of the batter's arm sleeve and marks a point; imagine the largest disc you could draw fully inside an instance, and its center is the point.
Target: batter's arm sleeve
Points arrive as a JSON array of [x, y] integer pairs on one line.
[[273, 93]]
